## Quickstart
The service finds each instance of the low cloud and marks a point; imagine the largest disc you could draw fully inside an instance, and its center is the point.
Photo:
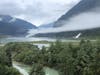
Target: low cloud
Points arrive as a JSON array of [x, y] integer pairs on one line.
[[82, 21]]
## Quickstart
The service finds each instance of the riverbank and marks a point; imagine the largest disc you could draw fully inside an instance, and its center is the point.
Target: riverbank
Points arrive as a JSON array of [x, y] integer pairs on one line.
[[25, 69]]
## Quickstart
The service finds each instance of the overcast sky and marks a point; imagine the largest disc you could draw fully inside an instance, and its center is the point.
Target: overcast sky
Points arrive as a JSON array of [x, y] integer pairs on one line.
[[36, 11]]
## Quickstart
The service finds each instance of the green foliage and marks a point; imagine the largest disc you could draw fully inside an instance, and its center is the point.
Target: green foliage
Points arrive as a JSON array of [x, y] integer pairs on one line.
[[74, 60], [5, 70], [6, 63], [37, 69], [23, 52], [68, 59]]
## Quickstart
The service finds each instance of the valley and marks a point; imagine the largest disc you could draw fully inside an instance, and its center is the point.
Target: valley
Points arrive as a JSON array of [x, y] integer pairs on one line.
[[50, 37]]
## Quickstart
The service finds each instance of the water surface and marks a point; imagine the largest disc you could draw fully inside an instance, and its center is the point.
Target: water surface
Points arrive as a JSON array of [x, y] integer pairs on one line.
[[24, 39], [25, 69], [30, 39]]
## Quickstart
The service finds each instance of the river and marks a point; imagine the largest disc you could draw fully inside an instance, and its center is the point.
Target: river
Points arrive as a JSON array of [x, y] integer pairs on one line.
[[41, 45], [24, 39], [25, 69], [30, 39], [20, 69]]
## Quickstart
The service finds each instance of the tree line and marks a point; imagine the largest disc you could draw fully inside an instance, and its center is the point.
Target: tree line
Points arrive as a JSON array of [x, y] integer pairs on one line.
[[6, 67], [67, 59]]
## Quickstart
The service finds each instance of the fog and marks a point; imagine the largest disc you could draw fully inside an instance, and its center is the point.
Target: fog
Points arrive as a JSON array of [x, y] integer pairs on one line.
[[82, 21]]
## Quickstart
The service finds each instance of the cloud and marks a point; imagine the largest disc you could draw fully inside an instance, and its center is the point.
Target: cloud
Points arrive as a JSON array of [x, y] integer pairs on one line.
[[36, 11], [87, 20]]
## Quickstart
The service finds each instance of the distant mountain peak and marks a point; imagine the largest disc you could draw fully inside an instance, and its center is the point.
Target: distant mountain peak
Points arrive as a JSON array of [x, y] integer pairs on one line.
[[14, 26]]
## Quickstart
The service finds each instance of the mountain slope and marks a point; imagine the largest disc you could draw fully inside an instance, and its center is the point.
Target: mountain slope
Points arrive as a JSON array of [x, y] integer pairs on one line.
[[81, 7], [46, 26], [14, 26], [85, 15], [88, 33]]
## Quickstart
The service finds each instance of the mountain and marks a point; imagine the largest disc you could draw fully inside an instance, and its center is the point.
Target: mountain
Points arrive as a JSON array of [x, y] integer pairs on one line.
[[91, 24], [50, 25], [88, 33], [81, 7], [14, 26]]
